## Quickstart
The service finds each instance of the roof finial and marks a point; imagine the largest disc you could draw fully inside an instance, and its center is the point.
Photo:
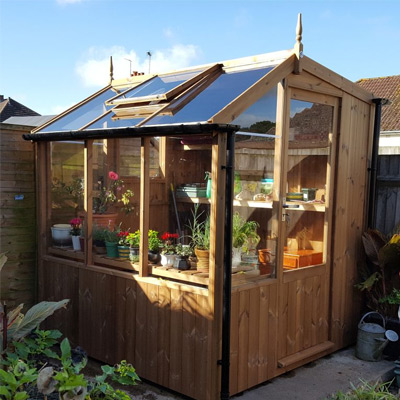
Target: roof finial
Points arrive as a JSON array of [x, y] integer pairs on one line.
[[111, 70], [298, 46]]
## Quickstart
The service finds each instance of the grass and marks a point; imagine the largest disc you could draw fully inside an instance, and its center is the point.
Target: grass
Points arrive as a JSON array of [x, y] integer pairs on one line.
[[367, 391]]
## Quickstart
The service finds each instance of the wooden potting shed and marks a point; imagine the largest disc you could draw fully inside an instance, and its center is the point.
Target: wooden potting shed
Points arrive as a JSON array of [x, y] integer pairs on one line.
[[280, 118]]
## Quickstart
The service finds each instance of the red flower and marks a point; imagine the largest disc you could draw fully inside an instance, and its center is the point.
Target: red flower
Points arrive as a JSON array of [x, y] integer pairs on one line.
[[167, 236], [113, 175]]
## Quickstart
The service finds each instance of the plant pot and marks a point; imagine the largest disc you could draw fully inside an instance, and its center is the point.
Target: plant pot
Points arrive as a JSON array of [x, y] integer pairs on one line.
[[82, 242], [123, 252], [76, 244], [154, 257], [264, 256], [203, 260], [167, 260], [181, 263], [61, 235], [236, 256], [134, 254], [112, 249], [99, 246]]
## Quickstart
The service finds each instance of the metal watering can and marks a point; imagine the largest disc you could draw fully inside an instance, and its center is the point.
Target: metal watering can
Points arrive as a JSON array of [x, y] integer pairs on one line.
[[372, 339]]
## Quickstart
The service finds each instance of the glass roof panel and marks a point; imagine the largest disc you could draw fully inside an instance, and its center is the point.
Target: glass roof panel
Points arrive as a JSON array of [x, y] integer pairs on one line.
[[213, 98], [108, 122], [159, 85], [82, 115]]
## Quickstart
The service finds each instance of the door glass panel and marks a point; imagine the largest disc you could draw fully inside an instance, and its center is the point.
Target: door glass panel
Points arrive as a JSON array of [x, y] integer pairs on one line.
[[255, 201], [310, 136]]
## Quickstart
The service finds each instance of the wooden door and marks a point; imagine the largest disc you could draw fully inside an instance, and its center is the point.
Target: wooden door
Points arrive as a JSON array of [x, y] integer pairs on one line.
[[308, 147]]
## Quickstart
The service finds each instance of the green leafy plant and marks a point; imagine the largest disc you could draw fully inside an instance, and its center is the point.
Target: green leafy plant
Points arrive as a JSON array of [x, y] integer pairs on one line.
[[200, 230], [20, 325], [111, 236], [98, 233], [244, 232], [114, 192], [379, 275], [13, 383], [123, 373], [183, 250], [134, 239], [37, 343], [154, 242], [68, 381]]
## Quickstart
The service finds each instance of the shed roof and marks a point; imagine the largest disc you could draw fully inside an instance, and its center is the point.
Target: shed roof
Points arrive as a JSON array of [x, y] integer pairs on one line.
[[387, 87], [208, 94]]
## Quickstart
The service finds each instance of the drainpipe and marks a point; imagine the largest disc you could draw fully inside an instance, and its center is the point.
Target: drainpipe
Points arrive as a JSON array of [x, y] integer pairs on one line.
[[226, 301], [374, 165]]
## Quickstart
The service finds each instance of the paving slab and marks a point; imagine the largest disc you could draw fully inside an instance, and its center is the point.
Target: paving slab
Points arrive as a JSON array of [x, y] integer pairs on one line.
[[322, 378], [315, 381]]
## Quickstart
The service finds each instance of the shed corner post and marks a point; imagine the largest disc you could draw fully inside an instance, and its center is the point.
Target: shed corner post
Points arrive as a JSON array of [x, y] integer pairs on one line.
[[144, 205], [88, 202], [215, 286]]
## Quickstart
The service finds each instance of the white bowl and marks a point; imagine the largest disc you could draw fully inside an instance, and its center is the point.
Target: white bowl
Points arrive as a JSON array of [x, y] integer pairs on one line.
[[61, 234]]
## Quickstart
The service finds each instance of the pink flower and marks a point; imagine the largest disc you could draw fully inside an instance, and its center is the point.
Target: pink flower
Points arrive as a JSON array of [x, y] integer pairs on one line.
[[113, 175]]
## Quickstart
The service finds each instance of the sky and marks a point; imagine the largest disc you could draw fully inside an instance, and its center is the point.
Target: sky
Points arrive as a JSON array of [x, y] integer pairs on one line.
[[55, 53]]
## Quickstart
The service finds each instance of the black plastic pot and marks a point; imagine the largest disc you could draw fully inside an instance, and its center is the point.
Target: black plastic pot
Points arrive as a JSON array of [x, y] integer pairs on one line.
[[181, 263]]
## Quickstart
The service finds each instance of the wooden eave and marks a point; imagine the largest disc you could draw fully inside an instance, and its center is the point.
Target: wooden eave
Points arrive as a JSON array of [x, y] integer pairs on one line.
[[336, 80]]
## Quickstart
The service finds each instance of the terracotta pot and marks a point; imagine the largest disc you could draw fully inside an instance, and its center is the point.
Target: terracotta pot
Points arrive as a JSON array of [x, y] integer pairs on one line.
[[264, 256], [203, 260]]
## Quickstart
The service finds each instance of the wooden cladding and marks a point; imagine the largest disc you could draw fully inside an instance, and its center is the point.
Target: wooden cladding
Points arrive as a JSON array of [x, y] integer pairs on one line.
[[162, 331]]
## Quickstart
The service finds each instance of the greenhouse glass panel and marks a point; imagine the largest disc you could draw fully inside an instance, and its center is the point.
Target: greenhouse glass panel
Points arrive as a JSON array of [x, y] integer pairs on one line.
[[108, 122], [81, 116], [158, 86], [213, 98]]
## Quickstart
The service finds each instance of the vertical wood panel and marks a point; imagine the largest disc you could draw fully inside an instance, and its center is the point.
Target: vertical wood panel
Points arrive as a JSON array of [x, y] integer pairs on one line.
[[244, 304], [141, 321], [253, 337], [130, 320], [300, 323], [273, 326], [308, 317], [234, 355], [152, 331], [263, 334], [164, 333], [176, 340], [201, 346], [188, 344]]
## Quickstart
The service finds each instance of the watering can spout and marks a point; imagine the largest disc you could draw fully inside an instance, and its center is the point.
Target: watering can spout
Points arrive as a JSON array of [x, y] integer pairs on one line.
[[390, 336]]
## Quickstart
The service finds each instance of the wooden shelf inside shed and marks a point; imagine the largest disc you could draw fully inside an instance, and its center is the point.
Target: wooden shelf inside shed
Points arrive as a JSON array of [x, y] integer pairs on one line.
[[300, 205]]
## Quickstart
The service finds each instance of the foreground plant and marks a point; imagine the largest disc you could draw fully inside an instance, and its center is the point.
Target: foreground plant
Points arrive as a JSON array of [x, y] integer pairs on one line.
[[367, 391], [14, 381]]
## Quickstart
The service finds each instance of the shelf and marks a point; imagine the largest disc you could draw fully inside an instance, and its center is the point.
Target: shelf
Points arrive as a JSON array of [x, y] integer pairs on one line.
[[302, 206]]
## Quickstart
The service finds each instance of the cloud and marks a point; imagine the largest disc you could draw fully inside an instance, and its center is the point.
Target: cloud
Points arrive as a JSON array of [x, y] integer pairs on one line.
[[94, 68]]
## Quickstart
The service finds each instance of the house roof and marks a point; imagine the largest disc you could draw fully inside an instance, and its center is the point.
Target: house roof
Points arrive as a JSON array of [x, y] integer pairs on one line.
[[387, 87], [33, 121], [10, 108]]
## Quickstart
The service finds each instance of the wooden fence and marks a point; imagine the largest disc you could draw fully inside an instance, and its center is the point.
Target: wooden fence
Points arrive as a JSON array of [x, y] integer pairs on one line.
[[18, 216], [388, 193]]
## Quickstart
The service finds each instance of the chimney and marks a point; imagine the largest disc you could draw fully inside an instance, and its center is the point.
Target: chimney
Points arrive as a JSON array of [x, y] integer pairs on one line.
[[1, 97]]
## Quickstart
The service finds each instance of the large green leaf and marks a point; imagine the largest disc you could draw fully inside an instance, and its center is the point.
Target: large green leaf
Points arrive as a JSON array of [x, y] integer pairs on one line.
[[373, 241], [34, 316]]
